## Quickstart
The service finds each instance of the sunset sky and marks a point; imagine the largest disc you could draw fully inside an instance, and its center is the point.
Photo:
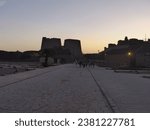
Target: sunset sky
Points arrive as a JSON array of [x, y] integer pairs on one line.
[[96, 23]]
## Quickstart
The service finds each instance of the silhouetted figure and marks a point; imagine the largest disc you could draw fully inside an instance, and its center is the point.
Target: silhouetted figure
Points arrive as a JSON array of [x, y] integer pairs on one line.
[[76, 62], [15, 68], [91, 64], [80, 64]]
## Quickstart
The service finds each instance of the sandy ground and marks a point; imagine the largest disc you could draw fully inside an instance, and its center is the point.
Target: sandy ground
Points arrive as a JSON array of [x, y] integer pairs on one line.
[[7, 68]]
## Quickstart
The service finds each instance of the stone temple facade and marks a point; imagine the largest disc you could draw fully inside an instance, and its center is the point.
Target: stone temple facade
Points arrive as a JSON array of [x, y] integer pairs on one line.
[[48, 43], [67, 53], [74, 46]]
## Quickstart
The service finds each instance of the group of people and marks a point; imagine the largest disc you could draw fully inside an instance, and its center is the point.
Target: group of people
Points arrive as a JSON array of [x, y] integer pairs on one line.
[[84, 64]]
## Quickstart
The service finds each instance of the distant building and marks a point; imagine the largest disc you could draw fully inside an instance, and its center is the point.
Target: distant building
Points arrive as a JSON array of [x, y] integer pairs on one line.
[[118, 56], [128, 53], [74, 46], [61, 54], [143, 56], [48, 43]]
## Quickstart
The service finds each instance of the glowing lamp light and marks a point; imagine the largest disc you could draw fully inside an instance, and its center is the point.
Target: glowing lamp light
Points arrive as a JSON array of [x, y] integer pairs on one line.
[[129, 53]]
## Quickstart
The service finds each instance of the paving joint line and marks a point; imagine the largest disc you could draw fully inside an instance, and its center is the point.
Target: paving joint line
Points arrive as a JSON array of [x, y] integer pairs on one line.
[[103, 93], [31, 77]]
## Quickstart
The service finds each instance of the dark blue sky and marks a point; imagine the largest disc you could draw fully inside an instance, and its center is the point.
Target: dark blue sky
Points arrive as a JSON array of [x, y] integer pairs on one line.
[[23, 23]]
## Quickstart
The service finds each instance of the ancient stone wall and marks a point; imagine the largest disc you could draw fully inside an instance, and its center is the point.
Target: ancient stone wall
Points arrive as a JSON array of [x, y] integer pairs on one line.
[[48, 43], [74, 46]]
